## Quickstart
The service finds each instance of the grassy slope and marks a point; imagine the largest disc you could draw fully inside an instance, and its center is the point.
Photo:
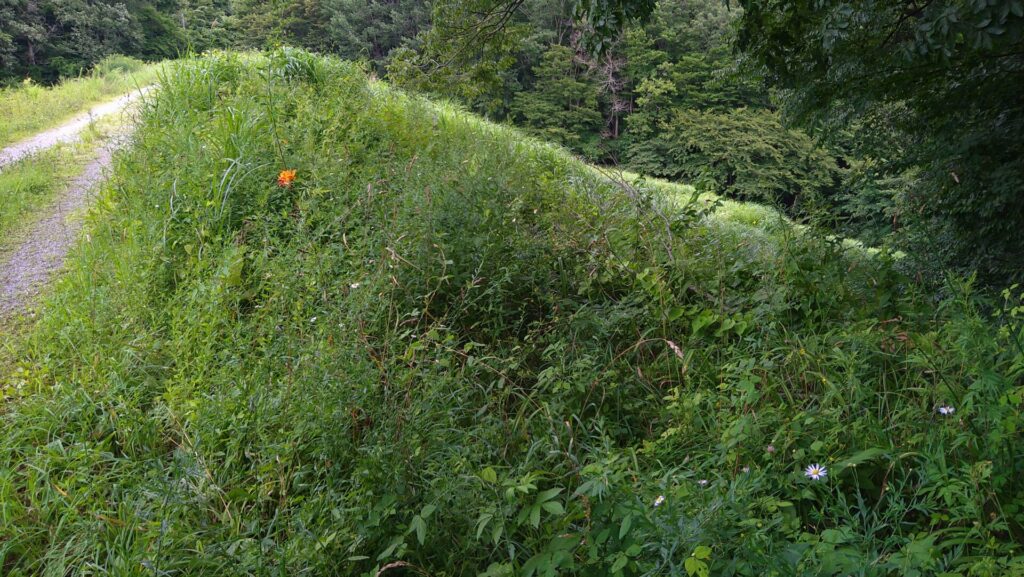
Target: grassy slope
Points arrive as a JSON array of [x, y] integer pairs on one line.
[[30, 109], [452, 346]]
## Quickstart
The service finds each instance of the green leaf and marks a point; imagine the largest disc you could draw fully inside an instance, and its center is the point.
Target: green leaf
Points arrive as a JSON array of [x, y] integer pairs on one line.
[[420, 526], [626, 524], [548, 495], [489, 475], [860, 457], [554, 507], [481, 523], [620, 562], [702, 552], [696, 567]]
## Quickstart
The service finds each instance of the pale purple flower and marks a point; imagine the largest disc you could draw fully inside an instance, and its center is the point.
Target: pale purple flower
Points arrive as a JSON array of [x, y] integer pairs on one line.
[[816, 472], [659, 500], [946, 410]]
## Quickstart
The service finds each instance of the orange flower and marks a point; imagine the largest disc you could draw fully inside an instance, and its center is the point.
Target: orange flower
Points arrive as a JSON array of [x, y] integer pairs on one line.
[[285, 178]]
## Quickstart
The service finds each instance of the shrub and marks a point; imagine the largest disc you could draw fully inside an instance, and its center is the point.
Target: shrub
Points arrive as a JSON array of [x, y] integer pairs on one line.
[[746, 152]]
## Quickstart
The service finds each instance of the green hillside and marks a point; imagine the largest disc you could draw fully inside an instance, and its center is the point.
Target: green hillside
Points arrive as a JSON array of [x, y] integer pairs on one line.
[[448, 349]]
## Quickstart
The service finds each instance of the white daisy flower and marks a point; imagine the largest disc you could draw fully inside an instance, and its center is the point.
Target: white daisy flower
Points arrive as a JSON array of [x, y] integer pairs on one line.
[[659, 500], [816, 472], [946, 410]]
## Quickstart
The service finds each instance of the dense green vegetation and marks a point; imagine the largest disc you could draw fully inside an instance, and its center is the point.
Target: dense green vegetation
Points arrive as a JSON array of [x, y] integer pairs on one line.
[[51, 39], [448, 349], [928, 90]]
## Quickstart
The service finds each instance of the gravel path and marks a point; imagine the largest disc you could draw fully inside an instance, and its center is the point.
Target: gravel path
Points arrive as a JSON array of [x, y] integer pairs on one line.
[[39, 251], [69, 132]]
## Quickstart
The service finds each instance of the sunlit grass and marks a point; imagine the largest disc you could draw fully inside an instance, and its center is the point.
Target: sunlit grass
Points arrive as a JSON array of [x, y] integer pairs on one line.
[[32, 183], [30, 108]]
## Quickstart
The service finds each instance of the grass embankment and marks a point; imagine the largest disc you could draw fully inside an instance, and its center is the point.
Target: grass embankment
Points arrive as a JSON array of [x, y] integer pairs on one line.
[[451, 347], [31, 108]]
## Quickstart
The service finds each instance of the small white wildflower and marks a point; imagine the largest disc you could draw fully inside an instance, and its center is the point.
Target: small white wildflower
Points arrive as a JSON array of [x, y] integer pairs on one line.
[[659, 500], [703, 482], [946, 410], [312, 320], [354, 285], [746, 469], [816, 472]]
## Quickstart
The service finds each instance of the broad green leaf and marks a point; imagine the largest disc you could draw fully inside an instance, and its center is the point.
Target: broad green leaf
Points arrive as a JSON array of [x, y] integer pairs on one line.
[[489, 475]]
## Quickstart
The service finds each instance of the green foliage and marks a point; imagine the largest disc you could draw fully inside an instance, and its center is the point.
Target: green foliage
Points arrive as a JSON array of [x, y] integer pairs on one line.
[[747, 153], [944, 76], [562, 107], [271, 23], [28, 185], [371, 30], [118, 64], [605, 20], [450, 350], [468, 54], [51, 39], [204, 23]]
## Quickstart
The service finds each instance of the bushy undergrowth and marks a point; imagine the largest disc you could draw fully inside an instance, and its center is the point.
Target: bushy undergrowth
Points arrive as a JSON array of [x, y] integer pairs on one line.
[[445, 349]]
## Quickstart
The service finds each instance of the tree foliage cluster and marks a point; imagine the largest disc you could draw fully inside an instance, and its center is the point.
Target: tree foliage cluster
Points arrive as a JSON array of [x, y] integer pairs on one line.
[[50, 39], [899, 123], [665, 97], [930, 92]]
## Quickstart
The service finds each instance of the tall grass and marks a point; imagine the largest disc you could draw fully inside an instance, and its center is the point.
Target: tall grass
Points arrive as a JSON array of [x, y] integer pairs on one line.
[[30, 108], [446, 349]]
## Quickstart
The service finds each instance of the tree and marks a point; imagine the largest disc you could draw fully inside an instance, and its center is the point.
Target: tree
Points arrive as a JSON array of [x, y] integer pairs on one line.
[[373, 28], [563, 104], [945, 74], [746, 152]]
